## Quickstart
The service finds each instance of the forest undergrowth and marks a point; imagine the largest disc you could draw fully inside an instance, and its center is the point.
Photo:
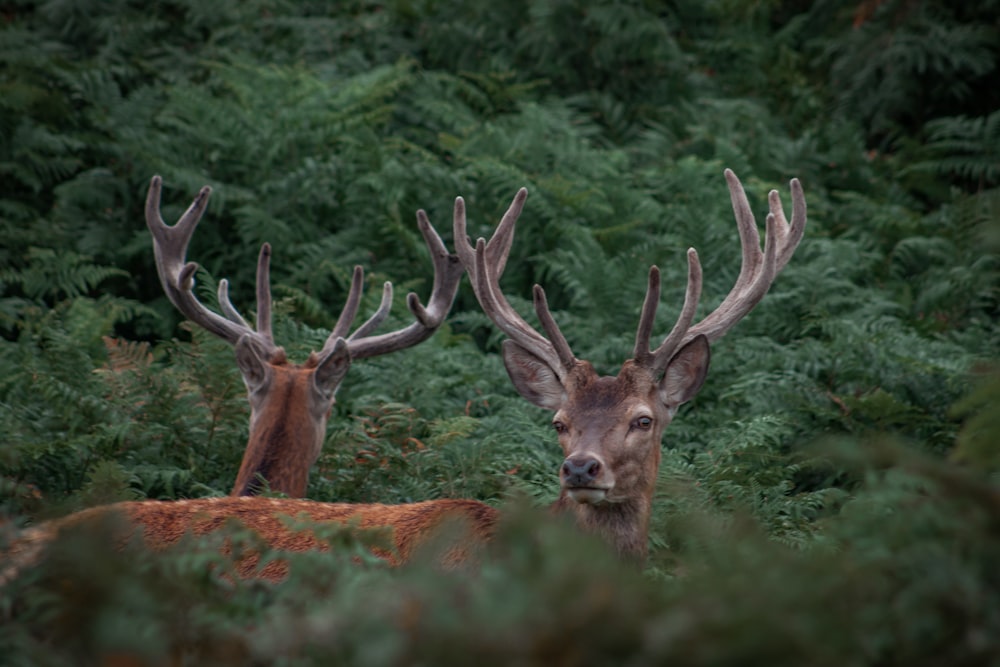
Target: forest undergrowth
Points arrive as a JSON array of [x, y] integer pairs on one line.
[[829, 498]]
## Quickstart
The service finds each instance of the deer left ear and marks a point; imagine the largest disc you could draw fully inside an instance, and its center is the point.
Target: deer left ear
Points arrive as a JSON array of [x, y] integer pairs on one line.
[[252, 360], [685, 374]]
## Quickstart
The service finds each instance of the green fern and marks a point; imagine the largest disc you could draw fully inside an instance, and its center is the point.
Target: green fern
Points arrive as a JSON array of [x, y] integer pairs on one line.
[[965, 148], [56, 275]]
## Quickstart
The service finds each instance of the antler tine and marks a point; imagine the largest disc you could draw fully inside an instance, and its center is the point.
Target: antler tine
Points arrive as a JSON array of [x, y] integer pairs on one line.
[[757, 271], [170, 245], [789, 234], [379, 316], [227, 307], [641, 351], [661, 356], [556, 337], [350, 310], [447, 274], [264, 292], [263, 298]]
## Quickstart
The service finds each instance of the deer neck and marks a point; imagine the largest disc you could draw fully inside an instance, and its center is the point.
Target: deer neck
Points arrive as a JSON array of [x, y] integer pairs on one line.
[[287, 427], [623, 525]]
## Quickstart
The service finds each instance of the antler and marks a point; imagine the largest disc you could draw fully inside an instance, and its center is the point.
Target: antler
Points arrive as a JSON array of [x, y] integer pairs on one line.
[[170, 245], [485, 264], [757, 272], [447, 275]]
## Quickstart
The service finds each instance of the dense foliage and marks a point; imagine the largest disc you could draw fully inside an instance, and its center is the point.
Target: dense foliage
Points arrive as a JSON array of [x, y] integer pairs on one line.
[[830, 496]]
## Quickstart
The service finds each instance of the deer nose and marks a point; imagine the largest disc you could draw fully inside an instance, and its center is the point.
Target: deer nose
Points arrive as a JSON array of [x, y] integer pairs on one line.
[[580, 471]]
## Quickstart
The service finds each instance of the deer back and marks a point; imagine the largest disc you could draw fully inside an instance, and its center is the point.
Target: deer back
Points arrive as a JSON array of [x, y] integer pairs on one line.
[[283, 524]]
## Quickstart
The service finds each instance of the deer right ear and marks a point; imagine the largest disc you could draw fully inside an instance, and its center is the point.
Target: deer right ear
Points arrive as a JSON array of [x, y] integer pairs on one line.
[[533, 378], [332, 368], [252, 359]]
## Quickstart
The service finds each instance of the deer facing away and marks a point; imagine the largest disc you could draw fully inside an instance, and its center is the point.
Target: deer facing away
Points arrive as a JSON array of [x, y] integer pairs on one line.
[[609, 427], [290, 403]]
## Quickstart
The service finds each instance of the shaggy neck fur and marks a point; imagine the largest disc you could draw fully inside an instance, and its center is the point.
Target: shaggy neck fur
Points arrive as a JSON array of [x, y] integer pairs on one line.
[[285, 439], [625, 525]]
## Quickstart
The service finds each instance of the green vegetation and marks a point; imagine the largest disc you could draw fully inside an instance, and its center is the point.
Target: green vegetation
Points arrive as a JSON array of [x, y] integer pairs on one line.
[[830, 497]]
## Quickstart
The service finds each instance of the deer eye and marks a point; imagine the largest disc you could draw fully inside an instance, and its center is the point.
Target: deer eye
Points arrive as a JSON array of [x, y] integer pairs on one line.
[[559, 427], [643, 423]]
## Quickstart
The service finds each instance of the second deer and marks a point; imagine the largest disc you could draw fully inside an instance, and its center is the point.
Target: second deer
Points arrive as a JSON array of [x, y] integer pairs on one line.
[[609, 427], [290, 403]]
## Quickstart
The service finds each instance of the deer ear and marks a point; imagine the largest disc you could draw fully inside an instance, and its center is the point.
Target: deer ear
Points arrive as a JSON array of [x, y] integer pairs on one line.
[[332, 368], [532, 377], [685, 374], [251, 357]]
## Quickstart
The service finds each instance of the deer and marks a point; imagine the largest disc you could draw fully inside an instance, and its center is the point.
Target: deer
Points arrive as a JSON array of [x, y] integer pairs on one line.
[[609, 427], [290, 403]]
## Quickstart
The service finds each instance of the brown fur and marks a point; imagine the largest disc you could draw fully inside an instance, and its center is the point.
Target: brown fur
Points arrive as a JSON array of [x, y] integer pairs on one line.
[[165, 523], [286, 435]]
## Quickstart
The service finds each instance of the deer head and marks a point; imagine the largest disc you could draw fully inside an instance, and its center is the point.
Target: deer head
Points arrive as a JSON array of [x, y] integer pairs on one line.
[[290, 403], [610, 427]]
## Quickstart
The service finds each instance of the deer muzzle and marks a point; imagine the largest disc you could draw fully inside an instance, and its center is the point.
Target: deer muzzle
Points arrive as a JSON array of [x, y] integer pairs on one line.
[[581, 477]]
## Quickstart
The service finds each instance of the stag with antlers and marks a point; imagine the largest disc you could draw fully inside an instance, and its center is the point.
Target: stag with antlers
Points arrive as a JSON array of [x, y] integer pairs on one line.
[[290, 403]]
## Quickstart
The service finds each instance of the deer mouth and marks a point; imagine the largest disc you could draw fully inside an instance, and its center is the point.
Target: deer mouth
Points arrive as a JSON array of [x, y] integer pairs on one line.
[[587, 495]]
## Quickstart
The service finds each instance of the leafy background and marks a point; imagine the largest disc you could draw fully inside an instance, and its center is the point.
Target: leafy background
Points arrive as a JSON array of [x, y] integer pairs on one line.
[[829, 498]]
